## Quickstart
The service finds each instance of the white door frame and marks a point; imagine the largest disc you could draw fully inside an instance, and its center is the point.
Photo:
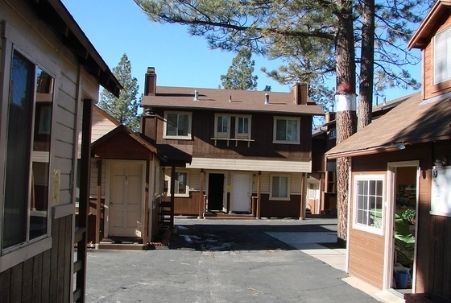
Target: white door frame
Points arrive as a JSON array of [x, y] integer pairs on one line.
[[106, 221], [389, 221], [249, 189]]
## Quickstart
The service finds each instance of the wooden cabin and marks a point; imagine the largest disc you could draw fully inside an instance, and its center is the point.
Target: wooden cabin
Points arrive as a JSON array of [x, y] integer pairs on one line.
[[249, 151], [124, 183], [399, 230], [50, 76]]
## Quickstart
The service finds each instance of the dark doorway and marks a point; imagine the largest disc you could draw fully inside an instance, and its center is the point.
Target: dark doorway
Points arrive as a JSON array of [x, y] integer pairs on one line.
[[215, 191]]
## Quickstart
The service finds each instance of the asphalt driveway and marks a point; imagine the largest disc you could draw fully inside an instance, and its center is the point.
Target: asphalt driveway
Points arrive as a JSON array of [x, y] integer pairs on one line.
[[224, 261]]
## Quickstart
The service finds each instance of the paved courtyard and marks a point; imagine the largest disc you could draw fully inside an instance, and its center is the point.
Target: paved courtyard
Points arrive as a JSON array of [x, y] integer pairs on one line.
[[228, 261]]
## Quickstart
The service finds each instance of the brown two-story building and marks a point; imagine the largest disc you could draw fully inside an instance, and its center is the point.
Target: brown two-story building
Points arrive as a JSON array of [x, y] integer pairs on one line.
[[248, 151]]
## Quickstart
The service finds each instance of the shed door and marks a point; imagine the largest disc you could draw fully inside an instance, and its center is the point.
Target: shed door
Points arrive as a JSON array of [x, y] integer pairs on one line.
[[126, 194], [241, 193]]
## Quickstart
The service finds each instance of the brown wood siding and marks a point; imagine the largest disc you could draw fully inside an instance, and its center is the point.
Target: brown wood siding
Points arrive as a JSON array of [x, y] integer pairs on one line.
[[366, 256], [45, 277], [434, 232], [188, 205], [431, 90], [261, 132], [282, 209], [122, 146]]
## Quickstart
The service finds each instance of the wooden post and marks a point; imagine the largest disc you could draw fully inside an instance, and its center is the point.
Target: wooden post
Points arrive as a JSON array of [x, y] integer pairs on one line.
[[201, 198], [146, 205], [259, 198], [172, 194], [99, 201], [302, 199], [83, 206]]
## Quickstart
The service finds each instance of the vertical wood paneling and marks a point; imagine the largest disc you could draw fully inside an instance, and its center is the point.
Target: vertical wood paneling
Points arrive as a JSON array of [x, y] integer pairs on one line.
[[37, 279], [27, 281], [60, 260], [54, 261], [46, 276], [5, 283], [16, 283], [67, 257]]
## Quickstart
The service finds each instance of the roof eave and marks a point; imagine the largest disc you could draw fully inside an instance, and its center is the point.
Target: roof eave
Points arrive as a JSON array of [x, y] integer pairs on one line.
[[56, 15]]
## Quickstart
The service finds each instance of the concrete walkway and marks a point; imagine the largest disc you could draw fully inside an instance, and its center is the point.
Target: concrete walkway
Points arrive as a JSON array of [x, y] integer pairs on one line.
[[217, 261]]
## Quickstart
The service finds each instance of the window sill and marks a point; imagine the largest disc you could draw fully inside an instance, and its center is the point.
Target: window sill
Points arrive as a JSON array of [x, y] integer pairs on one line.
[[63, 210], [178, 137], [233, 139], [368, 229], [279, 199], [286, 142], [24, 253], [438, 213]]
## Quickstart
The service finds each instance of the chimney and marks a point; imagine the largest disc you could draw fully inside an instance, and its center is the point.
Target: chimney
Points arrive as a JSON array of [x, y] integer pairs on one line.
[[266, 98], [150, 82], [300, 93]]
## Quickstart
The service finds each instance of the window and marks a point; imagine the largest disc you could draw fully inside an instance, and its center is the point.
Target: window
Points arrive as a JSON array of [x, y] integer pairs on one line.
[[286, 130], [25, 208], [222, 129], [180, 184], [313, 191], [242, 127], [368, 202], [442, 56], [177, 125], [280, 188]]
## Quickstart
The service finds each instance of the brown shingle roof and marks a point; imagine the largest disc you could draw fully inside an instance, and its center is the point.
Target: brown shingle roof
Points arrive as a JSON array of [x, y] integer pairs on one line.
[[228, 100], [413, 121]]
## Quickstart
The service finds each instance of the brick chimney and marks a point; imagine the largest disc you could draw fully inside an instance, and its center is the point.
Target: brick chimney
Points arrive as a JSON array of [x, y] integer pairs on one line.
[[150, 82], [300, 93]]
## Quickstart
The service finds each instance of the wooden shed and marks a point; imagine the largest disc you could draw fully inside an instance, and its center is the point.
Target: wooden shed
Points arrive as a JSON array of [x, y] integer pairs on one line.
[[50, 75], [399, 230]]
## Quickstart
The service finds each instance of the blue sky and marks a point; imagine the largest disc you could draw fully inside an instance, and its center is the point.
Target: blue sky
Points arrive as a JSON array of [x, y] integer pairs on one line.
[[119, 26]]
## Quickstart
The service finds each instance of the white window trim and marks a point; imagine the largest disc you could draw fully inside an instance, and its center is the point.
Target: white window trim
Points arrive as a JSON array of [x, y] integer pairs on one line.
[[244, 135], [222, 135], [271, 197], [187, 137], [298, 139], [435, 81], [363, 227], [15, 41], [168, 178]]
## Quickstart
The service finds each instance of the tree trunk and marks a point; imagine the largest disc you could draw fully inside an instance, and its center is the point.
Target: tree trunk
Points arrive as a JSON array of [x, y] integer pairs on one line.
[[367, 65], [345, 105]]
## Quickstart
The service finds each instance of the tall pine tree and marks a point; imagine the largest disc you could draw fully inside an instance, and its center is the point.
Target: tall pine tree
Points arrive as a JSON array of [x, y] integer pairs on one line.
[[240, 73], [125, 108]]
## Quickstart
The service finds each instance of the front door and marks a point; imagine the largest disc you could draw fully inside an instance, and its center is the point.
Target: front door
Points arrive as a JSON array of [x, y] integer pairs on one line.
[[215, 191], [241, 193], [126, 193]]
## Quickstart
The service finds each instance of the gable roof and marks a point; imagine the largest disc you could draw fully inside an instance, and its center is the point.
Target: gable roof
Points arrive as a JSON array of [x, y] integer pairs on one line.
[[413, 121], [227, 100], [438, 14], [57, 17], [121, 129]]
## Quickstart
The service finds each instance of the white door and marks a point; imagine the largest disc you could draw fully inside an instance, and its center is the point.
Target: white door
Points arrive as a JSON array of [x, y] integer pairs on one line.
[[241, 193], [126, 194]]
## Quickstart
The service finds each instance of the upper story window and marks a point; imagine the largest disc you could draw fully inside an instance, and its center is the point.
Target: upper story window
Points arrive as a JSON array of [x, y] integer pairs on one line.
[[442, 56], [286, 130], [222, 126], [177, 125], [26, 174], [368, 199], [232, 126], [242, 127]]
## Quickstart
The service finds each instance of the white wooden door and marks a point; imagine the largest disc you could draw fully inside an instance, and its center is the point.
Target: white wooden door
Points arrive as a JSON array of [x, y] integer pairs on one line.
[[126, 194], [241, 193]]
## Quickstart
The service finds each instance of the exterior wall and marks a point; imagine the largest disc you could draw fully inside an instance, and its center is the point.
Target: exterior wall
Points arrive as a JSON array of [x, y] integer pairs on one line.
[[429, 89], [46, 276], [101, 125], [261, 131], [433, 261]]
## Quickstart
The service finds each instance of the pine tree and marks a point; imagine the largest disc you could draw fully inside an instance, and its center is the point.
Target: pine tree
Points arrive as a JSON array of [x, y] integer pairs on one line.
[[125, 108], [239, 75]]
